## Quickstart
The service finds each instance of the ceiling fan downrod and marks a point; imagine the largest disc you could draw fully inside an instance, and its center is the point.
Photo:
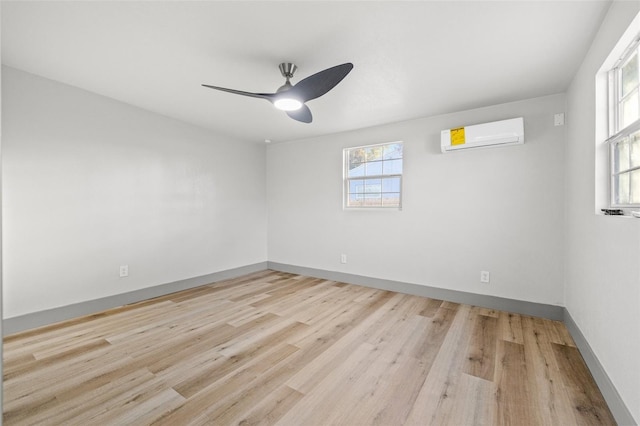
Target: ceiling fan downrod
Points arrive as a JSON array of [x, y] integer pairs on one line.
[[286, 69]]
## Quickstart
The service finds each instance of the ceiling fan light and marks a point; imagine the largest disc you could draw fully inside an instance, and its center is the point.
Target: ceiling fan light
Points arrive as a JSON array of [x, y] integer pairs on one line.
[[287, 104]]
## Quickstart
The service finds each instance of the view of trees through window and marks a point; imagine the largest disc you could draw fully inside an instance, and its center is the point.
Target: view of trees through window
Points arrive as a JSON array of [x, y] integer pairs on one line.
[[373, 175]]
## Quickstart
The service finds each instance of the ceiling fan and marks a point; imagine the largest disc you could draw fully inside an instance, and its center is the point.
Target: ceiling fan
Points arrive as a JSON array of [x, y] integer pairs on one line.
[[291, 98]]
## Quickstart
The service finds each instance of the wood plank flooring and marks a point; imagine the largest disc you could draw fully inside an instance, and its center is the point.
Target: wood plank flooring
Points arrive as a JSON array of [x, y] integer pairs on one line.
[[277, 348]]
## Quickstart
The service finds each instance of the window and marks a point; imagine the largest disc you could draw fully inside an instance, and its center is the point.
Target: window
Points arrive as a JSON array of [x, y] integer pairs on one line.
[[373, 176], [624, 128]]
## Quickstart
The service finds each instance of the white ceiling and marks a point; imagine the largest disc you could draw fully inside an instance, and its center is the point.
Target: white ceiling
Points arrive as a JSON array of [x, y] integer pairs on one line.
[[411, 59]]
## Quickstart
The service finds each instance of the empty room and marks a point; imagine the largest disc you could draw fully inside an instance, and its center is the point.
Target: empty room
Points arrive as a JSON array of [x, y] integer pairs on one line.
[[320, 212]]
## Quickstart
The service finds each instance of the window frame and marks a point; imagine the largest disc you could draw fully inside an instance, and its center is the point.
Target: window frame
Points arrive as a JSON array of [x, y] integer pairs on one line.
[[617, 133], [346, 179]]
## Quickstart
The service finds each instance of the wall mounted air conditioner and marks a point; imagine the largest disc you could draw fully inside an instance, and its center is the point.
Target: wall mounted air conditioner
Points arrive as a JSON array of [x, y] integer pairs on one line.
[[504, 132]]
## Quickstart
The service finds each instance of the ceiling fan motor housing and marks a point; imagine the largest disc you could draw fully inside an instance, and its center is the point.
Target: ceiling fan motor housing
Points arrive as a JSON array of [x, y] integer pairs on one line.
[[287, 69]]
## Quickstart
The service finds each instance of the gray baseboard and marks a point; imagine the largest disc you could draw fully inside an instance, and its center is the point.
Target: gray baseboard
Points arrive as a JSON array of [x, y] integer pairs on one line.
[[51, 316], [491, 302], [617, 406]]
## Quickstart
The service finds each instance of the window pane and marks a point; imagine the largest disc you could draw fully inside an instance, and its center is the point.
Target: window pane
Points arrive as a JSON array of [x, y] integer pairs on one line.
[[627, 188], [373, 153], [373, 169], [634, 187], [391, 184], [634, 148], [356, 157], [356, 186], [621, 160], [365, 200], [392, 167], [355, 200], [621, 188], [392, 150], [629, 110], [629, 76], [391, 199], [356, 171], [373, 199], [372, 186]]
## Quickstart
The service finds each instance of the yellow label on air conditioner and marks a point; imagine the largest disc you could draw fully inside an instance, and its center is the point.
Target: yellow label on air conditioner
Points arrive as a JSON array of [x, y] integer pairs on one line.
[[457, 136]]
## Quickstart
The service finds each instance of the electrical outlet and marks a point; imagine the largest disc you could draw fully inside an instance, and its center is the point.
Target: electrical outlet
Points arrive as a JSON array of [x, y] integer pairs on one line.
[[124, 271], [485, 276], [343, 258]]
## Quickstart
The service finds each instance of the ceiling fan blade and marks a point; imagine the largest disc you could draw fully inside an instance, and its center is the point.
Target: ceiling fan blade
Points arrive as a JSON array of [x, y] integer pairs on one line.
[[320, 83], [303, 114], [267, 96]]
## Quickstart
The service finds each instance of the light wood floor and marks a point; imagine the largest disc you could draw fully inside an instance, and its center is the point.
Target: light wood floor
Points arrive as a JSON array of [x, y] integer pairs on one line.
[[277, 348]]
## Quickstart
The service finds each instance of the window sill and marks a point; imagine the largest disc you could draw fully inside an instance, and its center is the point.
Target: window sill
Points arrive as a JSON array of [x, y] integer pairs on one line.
[[626, 215], [390, 208]]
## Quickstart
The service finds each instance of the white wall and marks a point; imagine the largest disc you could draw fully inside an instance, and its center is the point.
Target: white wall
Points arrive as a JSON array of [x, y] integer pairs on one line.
[[603, 252], [1, 256], [90, 183], [497, 209]]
